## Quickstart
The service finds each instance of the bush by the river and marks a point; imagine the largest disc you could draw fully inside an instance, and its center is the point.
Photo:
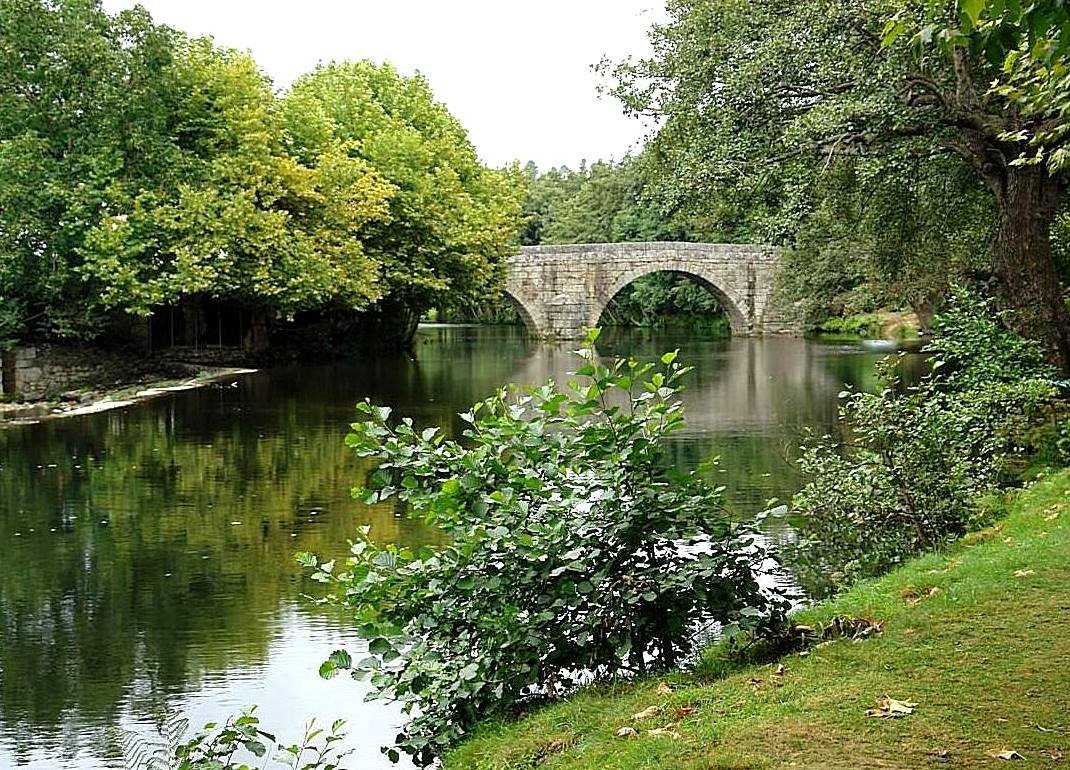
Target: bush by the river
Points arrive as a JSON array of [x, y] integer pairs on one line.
[[576, 552], [911, 471]]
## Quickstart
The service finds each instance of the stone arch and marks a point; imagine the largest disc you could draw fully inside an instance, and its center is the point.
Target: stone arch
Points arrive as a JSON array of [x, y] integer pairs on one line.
[[524, 311], [737, 320]]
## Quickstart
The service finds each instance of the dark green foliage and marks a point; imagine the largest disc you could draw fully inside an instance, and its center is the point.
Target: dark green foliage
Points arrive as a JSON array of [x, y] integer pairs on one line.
[[666, 299], [894, 169], [1060, 242], [909, 475], [888, 232], [576, 553], [83, 118], [864, 325], [605, 203]]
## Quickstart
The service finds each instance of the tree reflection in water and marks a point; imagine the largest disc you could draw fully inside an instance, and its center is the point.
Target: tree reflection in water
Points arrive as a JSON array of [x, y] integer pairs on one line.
[[146, 554]]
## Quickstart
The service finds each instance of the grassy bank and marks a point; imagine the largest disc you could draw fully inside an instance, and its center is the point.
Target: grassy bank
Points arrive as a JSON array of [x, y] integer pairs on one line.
[[882, 324], [978, 637]]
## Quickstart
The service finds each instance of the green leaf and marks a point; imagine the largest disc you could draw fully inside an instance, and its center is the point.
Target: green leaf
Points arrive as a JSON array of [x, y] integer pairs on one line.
[[338, 660], [380, 646], [893, 30], [971, 9]]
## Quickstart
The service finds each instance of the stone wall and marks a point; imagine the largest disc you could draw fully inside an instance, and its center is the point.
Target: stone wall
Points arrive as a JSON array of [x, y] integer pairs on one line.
[[562, 290], [46, 371]]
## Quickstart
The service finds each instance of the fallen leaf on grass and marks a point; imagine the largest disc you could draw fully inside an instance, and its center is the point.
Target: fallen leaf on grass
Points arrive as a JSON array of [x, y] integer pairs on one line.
[[1052, 517], [1055, 755], [1005, 754], [684, 711], [1024, 572], [780, 670], [916, 595], [663, 731], [663, 689], [646, 713], [627, 732], [940, 753], [890, 708]]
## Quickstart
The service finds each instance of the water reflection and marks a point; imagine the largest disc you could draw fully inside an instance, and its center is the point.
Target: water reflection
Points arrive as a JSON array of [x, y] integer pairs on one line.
[[146, 554]]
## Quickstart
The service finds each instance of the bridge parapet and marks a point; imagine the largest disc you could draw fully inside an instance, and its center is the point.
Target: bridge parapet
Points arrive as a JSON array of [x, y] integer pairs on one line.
[[561, 290]]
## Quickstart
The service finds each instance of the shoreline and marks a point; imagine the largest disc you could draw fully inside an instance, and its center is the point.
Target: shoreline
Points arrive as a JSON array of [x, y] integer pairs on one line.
[[94, 400], [975, 685]]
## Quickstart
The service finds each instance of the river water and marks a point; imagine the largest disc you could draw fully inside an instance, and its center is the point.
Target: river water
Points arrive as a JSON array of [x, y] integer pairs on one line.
[[146, 553]]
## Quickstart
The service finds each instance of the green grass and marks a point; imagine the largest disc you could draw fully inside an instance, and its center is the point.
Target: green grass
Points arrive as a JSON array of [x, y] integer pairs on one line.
[[986, 657], [886, 324]]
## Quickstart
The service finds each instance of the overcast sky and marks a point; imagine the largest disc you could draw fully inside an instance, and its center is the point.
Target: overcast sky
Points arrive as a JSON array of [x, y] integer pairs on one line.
[[516, 74]]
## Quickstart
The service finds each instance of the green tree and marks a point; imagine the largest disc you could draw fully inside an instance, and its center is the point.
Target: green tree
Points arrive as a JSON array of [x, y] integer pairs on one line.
[[84, 98], [139, 168], [244, 221], [888, 232], [759, 100], [1030, 42], [452, 222], [607, 202]]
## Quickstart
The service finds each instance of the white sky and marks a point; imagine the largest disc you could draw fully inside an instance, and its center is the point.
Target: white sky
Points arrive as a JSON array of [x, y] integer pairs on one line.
[[516, 74]]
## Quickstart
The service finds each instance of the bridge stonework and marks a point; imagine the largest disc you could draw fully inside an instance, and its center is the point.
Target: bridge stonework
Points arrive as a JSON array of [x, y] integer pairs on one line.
[[561, 291]]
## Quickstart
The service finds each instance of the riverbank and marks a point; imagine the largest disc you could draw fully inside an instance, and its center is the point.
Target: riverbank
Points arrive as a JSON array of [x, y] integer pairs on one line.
[[977, 637], [882, 324], [94, 399]]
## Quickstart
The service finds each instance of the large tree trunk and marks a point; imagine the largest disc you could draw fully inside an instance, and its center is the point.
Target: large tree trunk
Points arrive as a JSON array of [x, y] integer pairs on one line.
[[1023, 260]]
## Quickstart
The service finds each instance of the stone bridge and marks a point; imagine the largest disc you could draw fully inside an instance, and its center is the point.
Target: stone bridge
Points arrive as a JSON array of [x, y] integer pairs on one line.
[[562, 290]]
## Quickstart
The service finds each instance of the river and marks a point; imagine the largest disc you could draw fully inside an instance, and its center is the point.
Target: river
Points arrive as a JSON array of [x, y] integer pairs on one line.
[[146, 553]]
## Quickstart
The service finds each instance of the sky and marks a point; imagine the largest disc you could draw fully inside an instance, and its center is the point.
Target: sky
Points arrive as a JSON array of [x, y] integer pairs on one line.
[[516, 74]]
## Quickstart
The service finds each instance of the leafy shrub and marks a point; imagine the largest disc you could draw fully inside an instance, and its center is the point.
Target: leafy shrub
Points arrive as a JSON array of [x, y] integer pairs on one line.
[[576, 552], [220, 747], [862, 325], [916, 459]]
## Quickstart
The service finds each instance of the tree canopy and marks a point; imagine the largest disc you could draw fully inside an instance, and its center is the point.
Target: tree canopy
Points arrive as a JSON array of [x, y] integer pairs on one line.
[[140, 168], [451, 222], [761, 104]]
